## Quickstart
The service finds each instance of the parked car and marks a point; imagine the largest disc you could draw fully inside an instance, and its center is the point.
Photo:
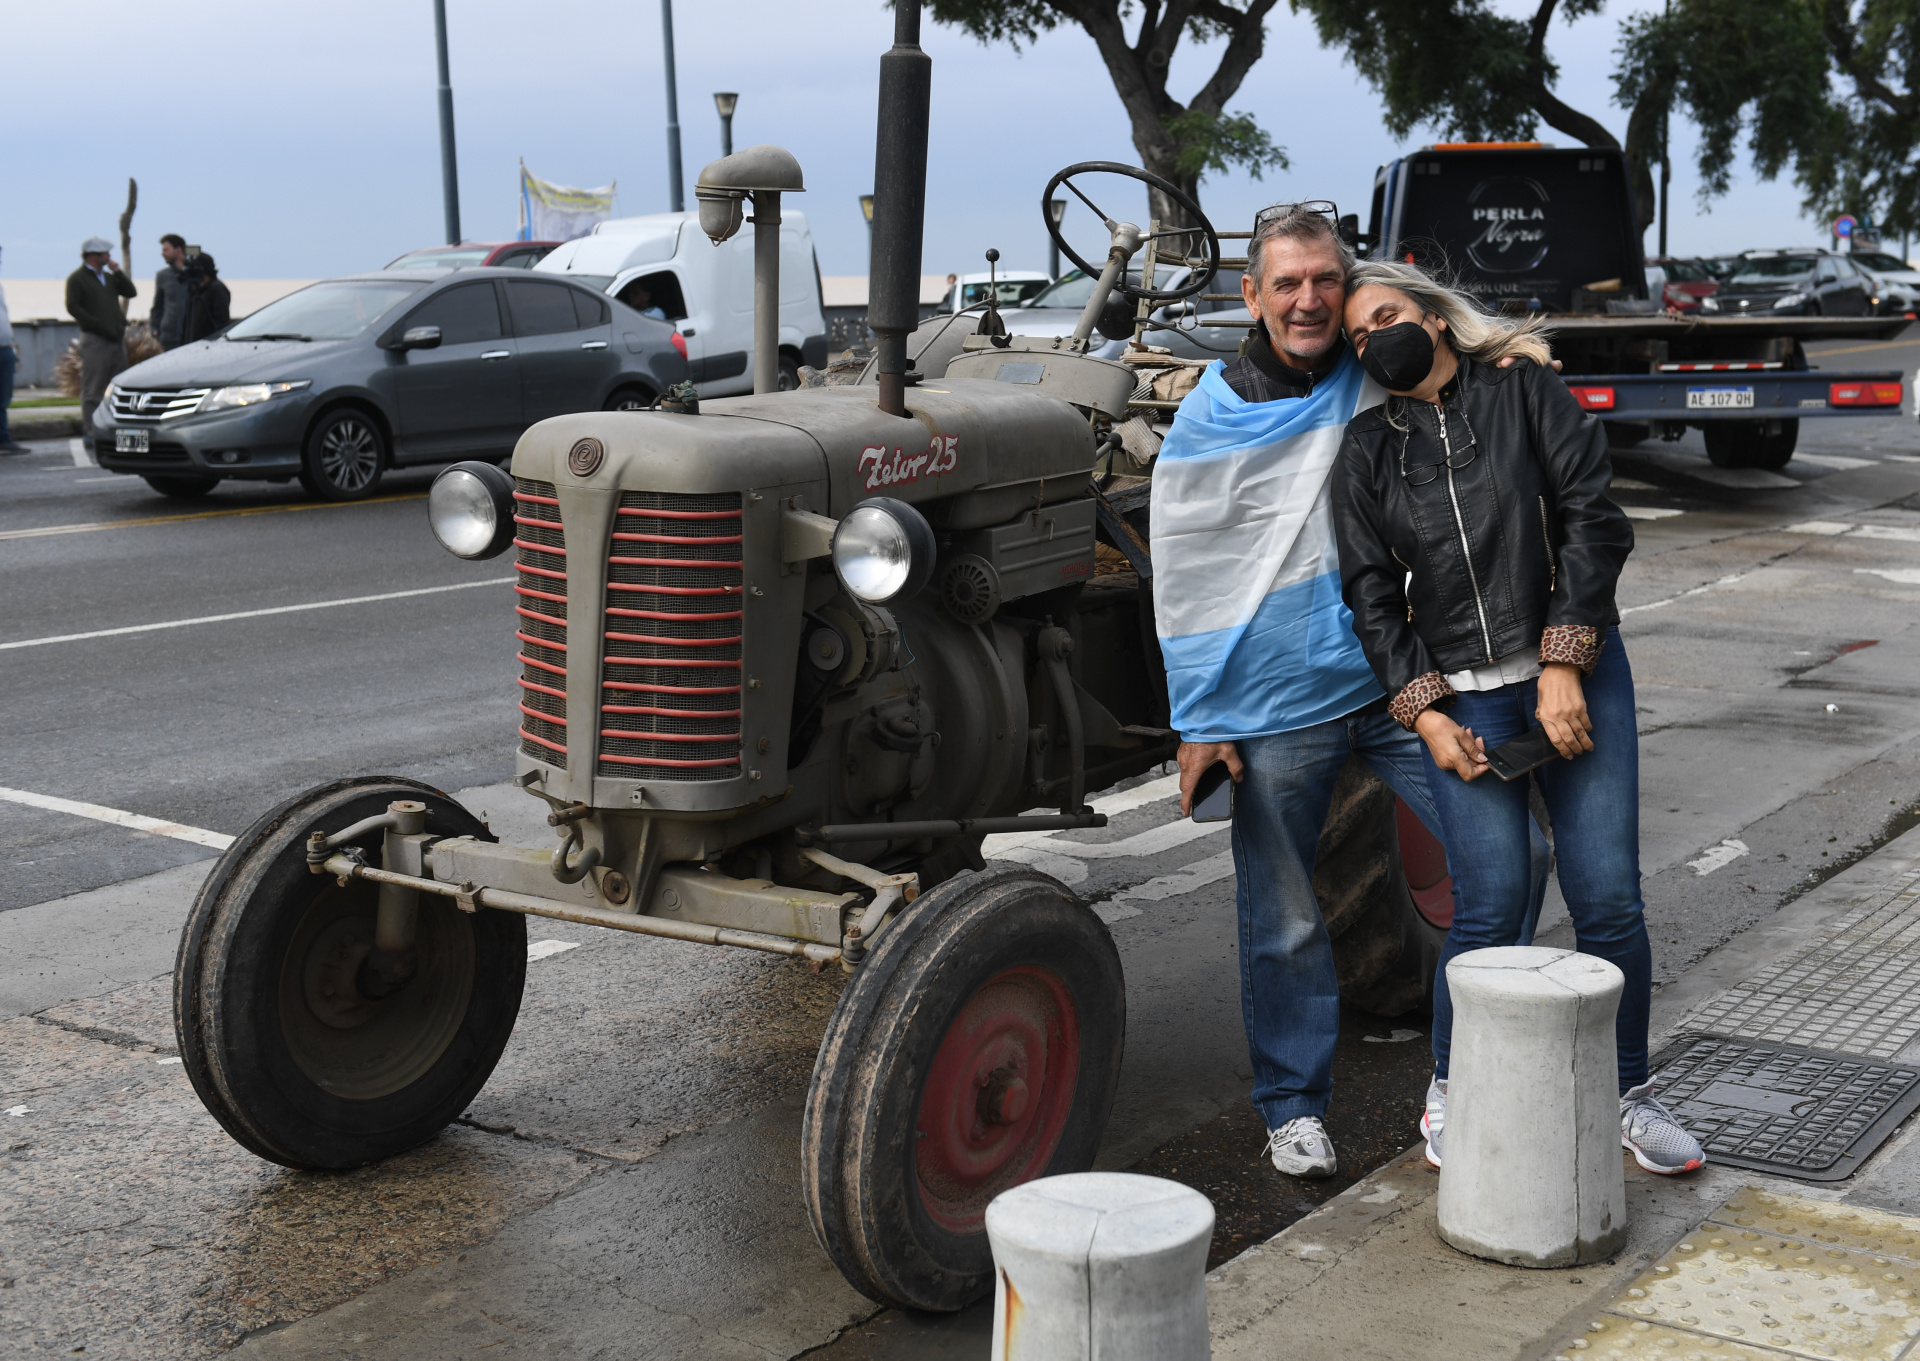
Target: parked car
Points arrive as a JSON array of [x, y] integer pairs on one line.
[[343, 379], [1810, 283], [663, 261], [1181, 327], [1010, 288], [1681, 283], [1896, 283], [476, 255]]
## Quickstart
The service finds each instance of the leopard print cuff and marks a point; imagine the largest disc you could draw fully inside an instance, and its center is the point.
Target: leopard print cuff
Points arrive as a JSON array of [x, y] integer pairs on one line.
[[1576, 644], [1418, 696]]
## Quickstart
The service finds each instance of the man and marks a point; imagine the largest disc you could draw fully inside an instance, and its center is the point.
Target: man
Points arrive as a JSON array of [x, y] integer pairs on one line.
[[1264, 672], [639, 297], [169, 292], [208, 307], [93, 299], [9, 361]]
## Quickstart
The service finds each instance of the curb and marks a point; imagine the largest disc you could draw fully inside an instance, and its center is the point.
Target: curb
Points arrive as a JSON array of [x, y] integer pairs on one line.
[[43, 422]]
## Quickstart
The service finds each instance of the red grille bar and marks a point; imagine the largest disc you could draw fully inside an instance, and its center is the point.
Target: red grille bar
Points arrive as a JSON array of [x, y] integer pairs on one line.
[[650, 727], [541, 562]]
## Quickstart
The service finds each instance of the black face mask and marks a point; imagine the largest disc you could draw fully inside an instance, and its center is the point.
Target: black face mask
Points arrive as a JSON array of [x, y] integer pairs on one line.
[[1399, 356]]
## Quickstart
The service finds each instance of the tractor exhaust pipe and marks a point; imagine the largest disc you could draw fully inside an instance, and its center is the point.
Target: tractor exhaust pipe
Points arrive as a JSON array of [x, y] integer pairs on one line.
[[899, 202]]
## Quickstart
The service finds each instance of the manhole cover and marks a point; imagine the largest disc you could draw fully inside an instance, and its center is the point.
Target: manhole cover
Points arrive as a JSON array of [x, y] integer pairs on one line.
[[1805, 1113]]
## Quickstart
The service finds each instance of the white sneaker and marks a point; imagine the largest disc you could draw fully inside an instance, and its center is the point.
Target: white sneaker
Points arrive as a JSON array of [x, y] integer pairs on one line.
[[1433, 1120], [1650, 1132], [1301, 1148]]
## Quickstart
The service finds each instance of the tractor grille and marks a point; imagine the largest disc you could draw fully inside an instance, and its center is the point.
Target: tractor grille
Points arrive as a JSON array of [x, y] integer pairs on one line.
[[670, 686], [541, 605]]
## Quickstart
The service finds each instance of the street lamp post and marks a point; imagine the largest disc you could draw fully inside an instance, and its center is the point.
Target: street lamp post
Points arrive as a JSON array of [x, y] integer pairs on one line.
[[449, 174], [1057, 211], [677, 202], [726, 103]]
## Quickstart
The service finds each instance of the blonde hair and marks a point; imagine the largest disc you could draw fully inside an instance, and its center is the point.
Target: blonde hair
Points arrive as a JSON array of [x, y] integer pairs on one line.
[[1471, 329]]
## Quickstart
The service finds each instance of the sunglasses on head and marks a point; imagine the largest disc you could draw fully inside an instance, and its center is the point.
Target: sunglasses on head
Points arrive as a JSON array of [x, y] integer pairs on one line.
[[1323, 207]]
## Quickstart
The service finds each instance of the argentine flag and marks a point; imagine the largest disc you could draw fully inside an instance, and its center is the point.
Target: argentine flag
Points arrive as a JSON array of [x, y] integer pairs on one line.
[[1246, 578]]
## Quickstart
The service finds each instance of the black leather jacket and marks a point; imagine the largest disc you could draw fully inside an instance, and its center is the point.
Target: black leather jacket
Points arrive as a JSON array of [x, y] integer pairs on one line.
[[1520, 546]]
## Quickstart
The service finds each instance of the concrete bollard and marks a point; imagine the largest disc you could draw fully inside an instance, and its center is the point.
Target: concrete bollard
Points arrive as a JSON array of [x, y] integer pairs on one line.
[[1530, 1160], [1100, 1264]]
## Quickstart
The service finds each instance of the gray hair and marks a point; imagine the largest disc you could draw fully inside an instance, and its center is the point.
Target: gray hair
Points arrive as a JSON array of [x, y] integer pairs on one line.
[[1475, 332], [1297, 223]]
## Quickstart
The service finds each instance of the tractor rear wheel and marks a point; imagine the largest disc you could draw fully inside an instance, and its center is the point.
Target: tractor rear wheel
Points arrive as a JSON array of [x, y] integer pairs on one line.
[[284, 1049], [978, 1047], [1381, 878]]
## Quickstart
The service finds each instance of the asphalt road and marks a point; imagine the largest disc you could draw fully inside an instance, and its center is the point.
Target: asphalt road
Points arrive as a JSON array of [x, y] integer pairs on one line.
[[627, 1183], [212, 724]]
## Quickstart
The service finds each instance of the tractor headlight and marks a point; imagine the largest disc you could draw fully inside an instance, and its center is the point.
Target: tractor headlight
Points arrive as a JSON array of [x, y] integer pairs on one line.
[[883, 550], [471, 510]]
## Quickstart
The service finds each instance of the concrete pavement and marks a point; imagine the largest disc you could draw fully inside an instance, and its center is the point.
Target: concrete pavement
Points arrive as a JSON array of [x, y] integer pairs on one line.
[[1368, 1275]]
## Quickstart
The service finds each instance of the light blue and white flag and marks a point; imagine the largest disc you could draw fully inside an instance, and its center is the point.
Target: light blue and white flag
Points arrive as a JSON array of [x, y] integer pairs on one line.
[[1246, 577]]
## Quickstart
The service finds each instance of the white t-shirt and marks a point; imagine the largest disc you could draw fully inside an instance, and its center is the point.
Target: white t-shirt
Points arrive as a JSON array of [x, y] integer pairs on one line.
[[1511, 669], [6, 324]]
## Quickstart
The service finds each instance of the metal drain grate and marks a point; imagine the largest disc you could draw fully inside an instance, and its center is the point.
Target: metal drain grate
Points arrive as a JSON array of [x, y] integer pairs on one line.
[[1805, 1113]]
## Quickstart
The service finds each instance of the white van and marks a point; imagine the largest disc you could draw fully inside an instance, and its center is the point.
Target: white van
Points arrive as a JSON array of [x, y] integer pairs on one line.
[[664, 261]]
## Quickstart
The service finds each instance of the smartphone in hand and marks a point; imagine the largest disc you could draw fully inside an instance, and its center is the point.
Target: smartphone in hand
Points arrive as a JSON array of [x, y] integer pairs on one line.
[[1527, 752], [1213, 794]]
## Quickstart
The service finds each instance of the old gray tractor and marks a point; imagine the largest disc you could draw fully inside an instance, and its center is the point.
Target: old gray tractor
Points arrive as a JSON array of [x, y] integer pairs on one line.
[[785, 661]]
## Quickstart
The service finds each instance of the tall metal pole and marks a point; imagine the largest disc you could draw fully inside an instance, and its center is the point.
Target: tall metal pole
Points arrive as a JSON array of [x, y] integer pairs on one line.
[[675, 199], [899, 201], [449, 174]]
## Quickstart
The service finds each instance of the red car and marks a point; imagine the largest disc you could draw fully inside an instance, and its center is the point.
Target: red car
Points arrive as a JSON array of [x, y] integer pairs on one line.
[[1684, 282], [474, 254]]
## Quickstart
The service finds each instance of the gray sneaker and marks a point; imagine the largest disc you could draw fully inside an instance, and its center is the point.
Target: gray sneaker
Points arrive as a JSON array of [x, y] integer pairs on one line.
[[1650, 1132], [1433, 1120], [1301, 1148]]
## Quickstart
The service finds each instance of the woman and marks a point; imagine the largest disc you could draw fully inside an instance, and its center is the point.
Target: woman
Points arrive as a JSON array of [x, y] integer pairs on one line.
[[1479, 553]]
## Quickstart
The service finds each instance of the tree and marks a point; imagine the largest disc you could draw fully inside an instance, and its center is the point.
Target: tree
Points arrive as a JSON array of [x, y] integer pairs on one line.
[[1830, 87], [1180, 142], [1483, 77]]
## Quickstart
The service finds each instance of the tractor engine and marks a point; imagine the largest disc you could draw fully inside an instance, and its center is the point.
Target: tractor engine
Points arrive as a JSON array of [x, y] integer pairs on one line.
[[697, 673]]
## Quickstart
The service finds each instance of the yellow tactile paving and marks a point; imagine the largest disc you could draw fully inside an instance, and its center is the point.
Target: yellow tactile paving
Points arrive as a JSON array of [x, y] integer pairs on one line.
[[1611, 1337], [1775, 1276], [1842, 1226]]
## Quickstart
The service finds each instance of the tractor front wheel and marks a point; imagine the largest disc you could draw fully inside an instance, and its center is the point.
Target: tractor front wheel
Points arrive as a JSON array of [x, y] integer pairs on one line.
[[977, 1048], [293, 1058]]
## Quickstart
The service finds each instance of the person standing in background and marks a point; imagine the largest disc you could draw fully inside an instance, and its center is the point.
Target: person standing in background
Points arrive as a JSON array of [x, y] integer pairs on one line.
[[208, 308], [9, 361], [169, 292], [93, 299]]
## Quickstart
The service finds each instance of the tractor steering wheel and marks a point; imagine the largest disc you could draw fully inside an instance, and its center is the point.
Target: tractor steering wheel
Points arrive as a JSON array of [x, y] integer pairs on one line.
[[1200, 277]]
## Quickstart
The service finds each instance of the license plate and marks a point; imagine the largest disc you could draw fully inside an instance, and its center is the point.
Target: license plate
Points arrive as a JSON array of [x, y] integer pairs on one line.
[[1717, 399], [132, 441]]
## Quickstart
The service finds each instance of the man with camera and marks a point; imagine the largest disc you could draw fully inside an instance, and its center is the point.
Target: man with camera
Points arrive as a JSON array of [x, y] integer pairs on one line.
[[94, 292]]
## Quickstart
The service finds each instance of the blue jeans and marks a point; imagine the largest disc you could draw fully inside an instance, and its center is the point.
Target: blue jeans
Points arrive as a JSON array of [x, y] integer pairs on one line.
[[9, 360], [1289, 993], [1594, 803]]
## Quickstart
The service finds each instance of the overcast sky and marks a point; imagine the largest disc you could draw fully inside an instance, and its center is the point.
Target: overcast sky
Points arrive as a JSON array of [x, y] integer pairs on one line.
[[296, 142]]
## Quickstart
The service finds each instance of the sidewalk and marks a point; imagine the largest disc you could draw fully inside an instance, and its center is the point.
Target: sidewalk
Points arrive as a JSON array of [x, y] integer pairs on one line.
[[1726, 1263]]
